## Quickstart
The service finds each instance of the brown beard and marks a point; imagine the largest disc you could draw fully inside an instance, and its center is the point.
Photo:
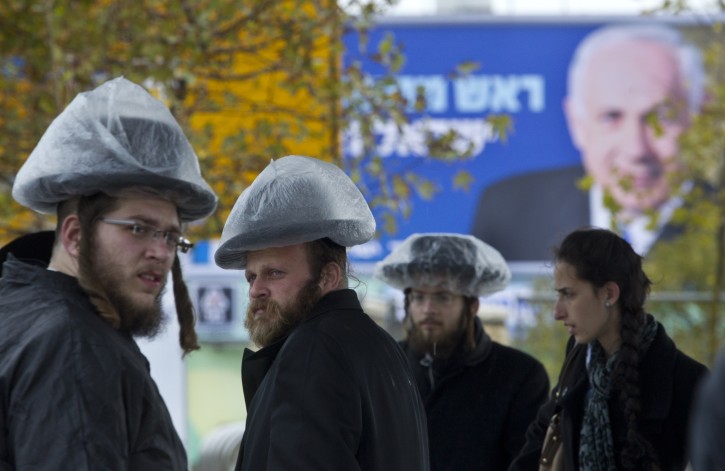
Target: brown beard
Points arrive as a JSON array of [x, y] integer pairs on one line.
[[421, 343], [279, 321], [101, 282]]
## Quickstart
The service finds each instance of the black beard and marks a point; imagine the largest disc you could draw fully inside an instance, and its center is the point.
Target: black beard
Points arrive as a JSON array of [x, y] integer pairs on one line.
[[278, 321], [441, 348], [137, 320]]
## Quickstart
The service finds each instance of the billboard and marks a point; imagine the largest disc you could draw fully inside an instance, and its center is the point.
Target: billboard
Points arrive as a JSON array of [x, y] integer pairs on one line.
[[531, 190]]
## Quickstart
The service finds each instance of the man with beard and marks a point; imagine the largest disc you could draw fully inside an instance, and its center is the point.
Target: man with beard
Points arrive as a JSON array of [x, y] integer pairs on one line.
[[75, 390], [479, 395], [329, 389]]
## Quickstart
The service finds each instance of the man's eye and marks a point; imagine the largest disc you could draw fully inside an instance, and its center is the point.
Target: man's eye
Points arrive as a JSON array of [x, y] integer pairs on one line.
[[171, 237], [611, 117], [138, 229]]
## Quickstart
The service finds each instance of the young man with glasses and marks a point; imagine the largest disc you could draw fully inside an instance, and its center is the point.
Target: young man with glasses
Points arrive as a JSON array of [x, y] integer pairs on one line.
[[75, 390], [479, 395]]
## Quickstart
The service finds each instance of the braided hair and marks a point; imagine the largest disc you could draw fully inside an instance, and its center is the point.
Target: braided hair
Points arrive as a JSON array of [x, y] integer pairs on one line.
[[600, 256]]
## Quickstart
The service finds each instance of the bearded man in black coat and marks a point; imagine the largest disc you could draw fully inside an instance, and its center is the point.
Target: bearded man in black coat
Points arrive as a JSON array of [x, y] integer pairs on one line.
[[479, 395], [75, 390], [329, 389]]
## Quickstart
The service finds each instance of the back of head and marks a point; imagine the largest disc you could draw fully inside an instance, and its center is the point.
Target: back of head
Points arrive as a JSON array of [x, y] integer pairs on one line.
[[688, 57], [295, 200], [112, 138], [458, 263], [599, 256]]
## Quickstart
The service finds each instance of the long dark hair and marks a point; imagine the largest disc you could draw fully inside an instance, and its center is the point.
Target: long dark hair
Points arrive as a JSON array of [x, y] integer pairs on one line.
[[600, 256]]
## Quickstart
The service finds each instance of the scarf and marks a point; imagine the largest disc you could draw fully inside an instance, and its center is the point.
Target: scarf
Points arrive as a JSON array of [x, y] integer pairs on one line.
[[596, 447]]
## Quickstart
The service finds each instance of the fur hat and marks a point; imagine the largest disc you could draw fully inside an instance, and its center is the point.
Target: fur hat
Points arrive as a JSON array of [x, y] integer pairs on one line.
[[458, 263], [107, 140], [294, 200]]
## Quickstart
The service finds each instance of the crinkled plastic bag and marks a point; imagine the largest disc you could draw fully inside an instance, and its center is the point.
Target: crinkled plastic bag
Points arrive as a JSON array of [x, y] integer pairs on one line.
[[111, 138], [293, 200], [458, 263]]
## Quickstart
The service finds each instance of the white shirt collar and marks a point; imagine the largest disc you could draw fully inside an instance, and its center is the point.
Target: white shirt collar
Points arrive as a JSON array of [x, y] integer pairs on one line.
[[638, 231]]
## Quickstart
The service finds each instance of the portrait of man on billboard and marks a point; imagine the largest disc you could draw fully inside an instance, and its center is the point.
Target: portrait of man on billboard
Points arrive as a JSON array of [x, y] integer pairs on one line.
[[632, 91]]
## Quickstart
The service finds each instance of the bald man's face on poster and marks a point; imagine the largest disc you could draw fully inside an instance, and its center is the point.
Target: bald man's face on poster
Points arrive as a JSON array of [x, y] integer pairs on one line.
[[626, 112]]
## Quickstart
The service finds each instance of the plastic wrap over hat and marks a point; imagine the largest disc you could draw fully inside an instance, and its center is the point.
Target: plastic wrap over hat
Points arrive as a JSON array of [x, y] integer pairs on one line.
[[114, 137], [294, 200], [458, 263]]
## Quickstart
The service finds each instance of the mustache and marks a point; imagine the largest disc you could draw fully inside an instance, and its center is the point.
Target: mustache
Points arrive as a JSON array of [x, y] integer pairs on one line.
[[264, 304], [255, 304], [429, 320]]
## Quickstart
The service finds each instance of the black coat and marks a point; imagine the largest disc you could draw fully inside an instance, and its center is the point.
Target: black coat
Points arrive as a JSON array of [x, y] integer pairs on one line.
[[707, 428], [481, 404], [526, 215], [668, 380], [75, 394], [337, 394]]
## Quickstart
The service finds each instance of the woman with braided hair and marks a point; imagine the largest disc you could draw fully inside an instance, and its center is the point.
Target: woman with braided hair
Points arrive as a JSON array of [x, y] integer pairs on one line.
[[624, 395]]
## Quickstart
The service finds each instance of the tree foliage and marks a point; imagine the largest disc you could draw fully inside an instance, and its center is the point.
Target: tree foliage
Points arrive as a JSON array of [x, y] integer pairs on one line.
[[688, 272], [696, 260], [248, 80]]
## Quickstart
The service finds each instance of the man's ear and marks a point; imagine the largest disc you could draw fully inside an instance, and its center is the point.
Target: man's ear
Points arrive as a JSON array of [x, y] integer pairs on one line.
[[330, 278], [572, 122], [474, 306], [70, 235]]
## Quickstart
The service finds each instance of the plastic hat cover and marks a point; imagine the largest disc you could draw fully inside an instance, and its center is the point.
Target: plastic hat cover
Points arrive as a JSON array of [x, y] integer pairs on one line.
[[114, 137], [294, 200], [458, 263]]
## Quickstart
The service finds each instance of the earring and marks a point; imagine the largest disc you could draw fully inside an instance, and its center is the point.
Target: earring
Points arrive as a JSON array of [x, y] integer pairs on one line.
[[607, 304]]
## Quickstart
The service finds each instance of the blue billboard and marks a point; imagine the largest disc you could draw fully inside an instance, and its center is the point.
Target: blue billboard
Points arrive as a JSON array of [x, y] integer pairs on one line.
[[522, 73]]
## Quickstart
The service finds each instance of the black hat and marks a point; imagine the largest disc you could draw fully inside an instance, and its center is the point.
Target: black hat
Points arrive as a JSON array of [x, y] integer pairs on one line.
[[34, 246]]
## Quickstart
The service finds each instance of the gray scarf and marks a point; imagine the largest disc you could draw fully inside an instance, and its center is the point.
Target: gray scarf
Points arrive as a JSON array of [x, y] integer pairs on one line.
[[596, 448]]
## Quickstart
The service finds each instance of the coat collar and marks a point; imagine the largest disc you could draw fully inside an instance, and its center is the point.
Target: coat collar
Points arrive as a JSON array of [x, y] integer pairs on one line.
[[657, 370], [255, 365]]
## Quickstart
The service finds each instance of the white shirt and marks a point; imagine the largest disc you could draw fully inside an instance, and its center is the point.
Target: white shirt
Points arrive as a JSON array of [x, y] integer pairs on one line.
[[642, 230]]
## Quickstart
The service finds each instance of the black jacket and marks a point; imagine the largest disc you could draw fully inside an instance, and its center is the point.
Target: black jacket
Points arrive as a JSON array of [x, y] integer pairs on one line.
[[74, 393], [481, 404], [707, 428], [526, 215], [668, 380], [336, 394]]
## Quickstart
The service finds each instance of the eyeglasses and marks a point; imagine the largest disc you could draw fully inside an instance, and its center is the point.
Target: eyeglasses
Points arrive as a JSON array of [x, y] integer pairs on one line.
[[173, 239], [442, 298]]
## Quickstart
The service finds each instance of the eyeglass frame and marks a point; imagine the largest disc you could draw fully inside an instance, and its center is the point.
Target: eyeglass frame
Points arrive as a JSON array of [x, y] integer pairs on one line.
[[438, 298], [180, 242]]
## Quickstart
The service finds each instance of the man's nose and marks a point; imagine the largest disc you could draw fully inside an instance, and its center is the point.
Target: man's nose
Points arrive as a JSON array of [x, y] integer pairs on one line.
[[429, 305], [257, 289], [158, 249], [638, 138]]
